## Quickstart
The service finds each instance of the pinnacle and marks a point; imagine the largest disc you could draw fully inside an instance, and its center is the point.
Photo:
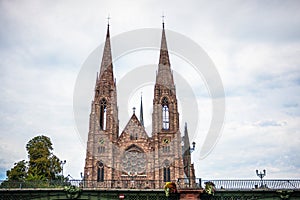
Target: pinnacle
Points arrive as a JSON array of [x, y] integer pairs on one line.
[[106, 63]]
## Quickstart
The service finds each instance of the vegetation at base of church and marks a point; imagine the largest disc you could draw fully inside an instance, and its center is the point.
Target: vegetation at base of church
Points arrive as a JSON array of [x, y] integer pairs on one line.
[[209, 188], [72, 192], [42, 169], [170, 187]]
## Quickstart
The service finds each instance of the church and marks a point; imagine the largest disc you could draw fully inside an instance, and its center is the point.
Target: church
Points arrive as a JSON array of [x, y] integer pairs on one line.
[[134, 158]]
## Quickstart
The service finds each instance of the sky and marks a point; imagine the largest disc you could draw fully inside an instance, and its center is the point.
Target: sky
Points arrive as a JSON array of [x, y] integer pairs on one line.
[[254, 45]]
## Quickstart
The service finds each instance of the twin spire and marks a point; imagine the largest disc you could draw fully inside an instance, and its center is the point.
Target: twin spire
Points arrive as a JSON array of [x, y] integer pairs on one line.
[[164, 76], [107, 56]]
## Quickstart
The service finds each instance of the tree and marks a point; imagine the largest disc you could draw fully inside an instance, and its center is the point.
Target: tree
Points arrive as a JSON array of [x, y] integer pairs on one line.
[[18, 172], [43, 164], [39, 147]]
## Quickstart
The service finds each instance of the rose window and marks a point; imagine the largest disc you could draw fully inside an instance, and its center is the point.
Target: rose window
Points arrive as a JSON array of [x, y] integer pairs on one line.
[[134, 163]]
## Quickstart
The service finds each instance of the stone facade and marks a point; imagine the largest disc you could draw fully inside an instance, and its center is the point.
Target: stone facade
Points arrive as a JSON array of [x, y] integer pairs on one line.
[[133, 155]]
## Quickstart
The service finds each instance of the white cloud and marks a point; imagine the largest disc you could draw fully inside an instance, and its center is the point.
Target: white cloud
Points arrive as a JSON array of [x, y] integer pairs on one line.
[[254, 45]]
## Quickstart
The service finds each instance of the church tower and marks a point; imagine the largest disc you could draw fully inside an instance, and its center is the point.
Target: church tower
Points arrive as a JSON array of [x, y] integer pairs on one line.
[[104, 124], [133, 159], [165, 121]]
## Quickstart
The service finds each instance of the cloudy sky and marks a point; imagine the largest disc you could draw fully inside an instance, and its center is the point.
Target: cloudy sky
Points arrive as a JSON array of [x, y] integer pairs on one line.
[[255, 46]]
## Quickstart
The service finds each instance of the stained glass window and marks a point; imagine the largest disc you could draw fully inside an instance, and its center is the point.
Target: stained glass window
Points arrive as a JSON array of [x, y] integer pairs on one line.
[[134, 162], [165, 111], [103, 114]]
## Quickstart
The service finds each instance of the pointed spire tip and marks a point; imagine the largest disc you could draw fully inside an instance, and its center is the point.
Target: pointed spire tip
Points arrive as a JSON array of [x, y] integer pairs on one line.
[[108, 18], [163, 19], [141, 111]]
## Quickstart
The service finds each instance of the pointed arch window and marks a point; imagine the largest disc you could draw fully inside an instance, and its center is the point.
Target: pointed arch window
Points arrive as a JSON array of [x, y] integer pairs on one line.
[[100, 173], [103, 107], [165, 114], [167, 176]]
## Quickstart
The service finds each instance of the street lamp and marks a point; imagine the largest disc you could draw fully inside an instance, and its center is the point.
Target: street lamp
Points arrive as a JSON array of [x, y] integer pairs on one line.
[[193, 148], [261, 176], [62, 163]]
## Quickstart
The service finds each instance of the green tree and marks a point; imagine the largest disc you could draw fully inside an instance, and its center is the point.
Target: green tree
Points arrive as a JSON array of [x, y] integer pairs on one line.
[[16, 175], [18, 172], [43, 164]]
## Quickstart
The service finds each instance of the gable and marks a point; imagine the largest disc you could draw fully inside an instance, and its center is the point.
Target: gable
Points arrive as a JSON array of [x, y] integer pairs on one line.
[[134, 133], [134, 130]]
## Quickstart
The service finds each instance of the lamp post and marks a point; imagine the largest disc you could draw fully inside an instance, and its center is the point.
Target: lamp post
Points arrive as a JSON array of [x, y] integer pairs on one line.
[[82, 180], [261, 176], [193, 148], [62, 163]]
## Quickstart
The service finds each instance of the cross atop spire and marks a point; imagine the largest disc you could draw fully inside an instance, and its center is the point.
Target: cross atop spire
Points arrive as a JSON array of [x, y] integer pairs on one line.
[[163, 19], [108, 18]]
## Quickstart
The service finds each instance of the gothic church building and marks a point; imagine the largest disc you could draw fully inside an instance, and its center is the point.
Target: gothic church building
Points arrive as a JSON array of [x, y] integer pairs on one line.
[[116, 160]]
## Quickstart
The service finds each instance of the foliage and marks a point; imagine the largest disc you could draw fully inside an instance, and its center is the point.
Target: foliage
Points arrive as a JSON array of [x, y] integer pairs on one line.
[[39, 147], [72, 192], [170, 187], [42, 163], [284, 194], [42, 166], [209, 188], [18, 172]]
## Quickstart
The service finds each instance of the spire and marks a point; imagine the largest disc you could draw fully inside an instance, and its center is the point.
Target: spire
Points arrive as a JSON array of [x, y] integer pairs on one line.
[[164, 75], [106, 92], [186, 139], [186, 142], [164, 55], [186, 151], [141, 112], [106, 63]]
